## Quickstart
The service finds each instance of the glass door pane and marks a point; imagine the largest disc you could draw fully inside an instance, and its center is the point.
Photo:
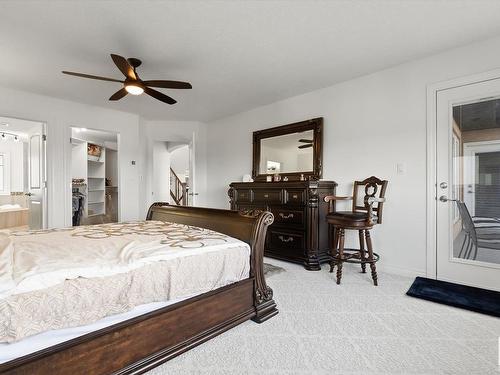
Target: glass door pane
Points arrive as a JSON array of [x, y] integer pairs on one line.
[[475, 154]]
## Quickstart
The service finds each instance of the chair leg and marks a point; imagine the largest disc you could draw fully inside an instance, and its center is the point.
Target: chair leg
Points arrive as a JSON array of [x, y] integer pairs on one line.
[[370, 257], [475, 252], [463, 244], [340, 254], [334, 246], [468, 248], [466, 252], [362, 250]]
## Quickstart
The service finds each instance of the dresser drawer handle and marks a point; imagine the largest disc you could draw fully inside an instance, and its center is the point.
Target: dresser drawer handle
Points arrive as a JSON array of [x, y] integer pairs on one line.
[[295, 196], [283, 239], [283, 216], [266, 195]]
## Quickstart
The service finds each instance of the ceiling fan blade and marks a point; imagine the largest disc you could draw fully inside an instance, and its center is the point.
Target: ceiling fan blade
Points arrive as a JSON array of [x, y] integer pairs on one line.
[[119, 94], [124, 66], [168, 84], [305, 146], [306, 140], [160, 96], [91, 76]]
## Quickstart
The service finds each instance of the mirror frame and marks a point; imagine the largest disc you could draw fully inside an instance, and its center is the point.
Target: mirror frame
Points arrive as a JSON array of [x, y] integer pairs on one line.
[[316, 125]]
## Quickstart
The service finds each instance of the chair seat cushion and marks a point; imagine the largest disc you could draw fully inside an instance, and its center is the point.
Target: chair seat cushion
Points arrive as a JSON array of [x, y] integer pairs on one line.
[[350, 219], [348, 215]]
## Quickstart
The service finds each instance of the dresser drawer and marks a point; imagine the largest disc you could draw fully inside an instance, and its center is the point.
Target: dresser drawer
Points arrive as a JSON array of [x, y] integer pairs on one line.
[[267, 196], [292, 243], [294, 197], [244, 196], [286, 216], [251, 207]]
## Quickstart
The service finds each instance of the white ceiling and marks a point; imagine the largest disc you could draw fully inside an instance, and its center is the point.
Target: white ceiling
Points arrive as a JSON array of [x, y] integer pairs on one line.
[[237, 54]]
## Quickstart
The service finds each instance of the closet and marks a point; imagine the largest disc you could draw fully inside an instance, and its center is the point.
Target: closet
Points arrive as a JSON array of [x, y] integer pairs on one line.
[[94, 173]]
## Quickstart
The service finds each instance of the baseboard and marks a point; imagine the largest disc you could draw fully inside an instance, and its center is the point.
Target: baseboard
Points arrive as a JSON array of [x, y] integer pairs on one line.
[[400, 271]]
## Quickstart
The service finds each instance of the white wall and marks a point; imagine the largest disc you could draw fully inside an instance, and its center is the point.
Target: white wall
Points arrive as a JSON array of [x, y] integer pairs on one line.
[[161, 172], [192, 132], [112, 165], [60, 115], [371, 124], [79, 159], [15, 156]]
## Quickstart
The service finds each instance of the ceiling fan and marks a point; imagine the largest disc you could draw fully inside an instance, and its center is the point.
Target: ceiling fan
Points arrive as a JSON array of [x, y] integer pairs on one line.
[[308, 143], [133, 84]]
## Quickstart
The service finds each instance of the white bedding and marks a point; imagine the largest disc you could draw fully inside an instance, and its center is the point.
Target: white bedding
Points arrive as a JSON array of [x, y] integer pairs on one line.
[[47, 339], [35, 260], [57, 279]]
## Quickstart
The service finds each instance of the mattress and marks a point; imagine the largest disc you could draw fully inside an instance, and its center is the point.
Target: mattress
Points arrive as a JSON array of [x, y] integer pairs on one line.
[[28, 345], [58, 279]]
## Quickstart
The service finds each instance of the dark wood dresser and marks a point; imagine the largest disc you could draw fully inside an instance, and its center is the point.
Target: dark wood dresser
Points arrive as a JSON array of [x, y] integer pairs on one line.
[[300, 232]]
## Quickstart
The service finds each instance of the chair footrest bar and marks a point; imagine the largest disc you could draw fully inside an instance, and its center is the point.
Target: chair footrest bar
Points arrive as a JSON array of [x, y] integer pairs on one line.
[[354, 256]]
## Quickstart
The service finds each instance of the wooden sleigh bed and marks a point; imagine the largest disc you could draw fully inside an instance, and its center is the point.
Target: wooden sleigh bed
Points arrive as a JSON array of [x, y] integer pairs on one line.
[[146, 341]]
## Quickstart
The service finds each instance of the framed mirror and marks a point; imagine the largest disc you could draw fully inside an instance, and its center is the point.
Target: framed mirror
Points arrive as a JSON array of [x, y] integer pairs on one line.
[[290, 150]]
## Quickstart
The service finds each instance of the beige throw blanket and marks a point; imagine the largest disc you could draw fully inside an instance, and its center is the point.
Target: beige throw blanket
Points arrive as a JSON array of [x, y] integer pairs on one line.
[[61, 278]]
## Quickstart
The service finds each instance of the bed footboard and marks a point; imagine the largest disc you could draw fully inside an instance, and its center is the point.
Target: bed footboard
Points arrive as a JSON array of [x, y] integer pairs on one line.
[[248, 226]]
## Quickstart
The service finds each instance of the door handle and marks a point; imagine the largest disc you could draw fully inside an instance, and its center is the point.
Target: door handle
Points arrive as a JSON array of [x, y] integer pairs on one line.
[[443, 185], [444, 198]]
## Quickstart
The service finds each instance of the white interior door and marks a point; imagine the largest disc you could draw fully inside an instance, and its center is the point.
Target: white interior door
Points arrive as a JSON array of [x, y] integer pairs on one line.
[[36, 178], [467, 252]]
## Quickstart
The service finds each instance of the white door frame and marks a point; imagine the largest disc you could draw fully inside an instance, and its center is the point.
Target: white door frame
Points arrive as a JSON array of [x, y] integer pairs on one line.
[[432, 92]]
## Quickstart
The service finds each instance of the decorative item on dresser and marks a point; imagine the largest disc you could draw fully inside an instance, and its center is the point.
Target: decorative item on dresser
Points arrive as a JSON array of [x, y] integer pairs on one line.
[[367, 203], [300, 231]]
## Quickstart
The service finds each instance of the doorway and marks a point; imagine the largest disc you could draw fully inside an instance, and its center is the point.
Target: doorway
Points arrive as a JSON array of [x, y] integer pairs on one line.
[[22, 174], [94, 176], [466, 183], [172, 171]]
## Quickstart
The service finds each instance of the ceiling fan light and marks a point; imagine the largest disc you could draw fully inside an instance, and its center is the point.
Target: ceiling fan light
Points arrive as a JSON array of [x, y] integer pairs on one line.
[[134, 89]]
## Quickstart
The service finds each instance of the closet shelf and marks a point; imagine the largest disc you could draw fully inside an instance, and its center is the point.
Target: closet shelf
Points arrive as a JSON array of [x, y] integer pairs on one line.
[[98, 214]]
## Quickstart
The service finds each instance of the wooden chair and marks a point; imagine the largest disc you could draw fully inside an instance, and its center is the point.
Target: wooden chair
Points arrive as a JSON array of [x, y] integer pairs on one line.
[[367, 204]]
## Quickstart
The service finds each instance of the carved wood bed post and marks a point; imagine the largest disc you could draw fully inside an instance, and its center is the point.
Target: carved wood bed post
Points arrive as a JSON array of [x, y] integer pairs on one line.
[[265, 307]]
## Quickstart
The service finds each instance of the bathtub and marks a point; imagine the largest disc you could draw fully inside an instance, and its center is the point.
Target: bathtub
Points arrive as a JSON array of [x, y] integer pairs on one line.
[[13, 215]]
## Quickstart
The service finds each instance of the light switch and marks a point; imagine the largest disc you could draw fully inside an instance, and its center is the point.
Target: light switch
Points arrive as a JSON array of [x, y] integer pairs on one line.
[[401, 168]]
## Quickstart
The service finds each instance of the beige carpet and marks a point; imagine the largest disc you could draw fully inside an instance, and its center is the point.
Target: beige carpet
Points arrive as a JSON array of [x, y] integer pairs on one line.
[[354, 328]]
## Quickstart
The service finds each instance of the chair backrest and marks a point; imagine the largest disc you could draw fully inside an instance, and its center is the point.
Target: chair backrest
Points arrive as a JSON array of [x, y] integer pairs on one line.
[[369, 187], [467, 222]]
